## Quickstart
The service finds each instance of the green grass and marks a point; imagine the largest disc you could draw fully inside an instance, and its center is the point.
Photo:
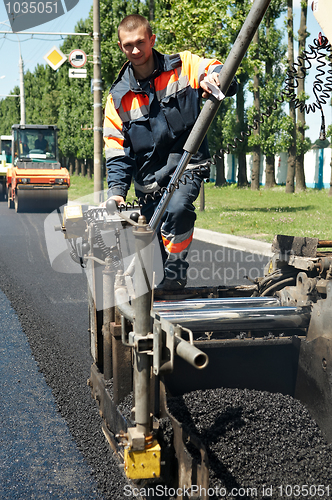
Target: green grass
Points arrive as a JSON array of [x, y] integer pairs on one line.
[[81, 187], [264, 213], [254, 214]]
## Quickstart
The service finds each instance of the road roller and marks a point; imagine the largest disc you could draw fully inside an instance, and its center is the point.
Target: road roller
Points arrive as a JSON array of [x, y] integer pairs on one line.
[[36, 181]]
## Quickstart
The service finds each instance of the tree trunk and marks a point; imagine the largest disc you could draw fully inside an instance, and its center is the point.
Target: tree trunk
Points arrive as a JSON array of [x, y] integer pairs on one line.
[[292, 149], [220, 170], [89, 168], [77, 167], [202, 198], [71, 165], [83, 167], [256, 163], [269, 153], [270, 171], [299, 165], [299, 172], [242, 180], [256, 160]]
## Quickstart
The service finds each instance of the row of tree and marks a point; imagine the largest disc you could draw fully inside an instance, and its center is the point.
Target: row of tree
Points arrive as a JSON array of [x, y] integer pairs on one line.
[[207, 29]]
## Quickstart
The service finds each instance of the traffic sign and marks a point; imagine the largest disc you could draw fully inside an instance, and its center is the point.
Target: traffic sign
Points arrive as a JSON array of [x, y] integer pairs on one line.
[[77, 58], [55, 58], [77, 73]]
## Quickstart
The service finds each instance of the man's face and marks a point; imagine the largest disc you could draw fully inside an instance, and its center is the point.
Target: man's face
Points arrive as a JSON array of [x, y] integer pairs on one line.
[[136, 45]]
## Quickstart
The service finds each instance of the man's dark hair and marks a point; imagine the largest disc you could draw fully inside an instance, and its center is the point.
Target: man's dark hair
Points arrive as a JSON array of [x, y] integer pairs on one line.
[[132, 22]]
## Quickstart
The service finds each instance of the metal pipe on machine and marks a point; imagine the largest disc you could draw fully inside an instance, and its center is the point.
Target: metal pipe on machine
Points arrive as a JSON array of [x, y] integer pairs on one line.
[[142, 323], [108, 317], [265, 318], [190, 353], [224, 303], [122, 303]]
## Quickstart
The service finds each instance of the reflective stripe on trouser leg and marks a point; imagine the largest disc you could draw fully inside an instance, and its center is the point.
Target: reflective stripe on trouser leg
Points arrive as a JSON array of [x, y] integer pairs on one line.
[[178, 227]]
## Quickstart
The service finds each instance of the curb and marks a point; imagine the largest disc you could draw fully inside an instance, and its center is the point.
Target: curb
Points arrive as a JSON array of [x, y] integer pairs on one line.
[[236, 242]]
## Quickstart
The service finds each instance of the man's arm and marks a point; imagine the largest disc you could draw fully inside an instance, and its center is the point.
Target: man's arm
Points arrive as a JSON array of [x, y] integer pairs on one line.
[[118, 162], [200, 69]]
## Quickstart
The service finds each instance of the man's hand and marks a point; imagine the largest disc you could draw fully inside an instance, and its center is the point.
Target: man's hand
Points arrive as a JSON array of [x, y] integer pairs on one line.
[[213, 78], [118, 199]]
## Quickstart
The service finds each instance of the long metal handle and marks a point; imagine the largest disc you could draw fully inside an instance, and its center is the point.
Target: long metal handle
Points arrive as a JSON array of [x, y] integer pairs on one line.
[[162, 205], [212, 104]]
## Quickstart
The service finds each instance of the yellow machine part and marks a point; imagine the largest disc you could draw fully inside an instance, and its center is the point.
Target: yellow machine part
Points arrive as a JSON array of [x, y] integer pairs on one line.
[[143, 464], [73, 221]]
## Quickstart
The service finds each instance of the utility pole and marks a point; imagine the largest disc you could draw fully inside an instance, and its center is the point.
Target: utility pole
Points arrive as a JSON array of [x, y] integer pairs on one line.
[[22, 97], [97, 107]]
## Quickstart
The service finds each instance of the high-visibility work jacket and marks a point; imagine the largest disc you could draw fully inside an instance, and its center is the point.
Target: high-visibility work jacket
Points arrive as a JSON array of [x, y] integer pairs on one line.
[[147, 123]]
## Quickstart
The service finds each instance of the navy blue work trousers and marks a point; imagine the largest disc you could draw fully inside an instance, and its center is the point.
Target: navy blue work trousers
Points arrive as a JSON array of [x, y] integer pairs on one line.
[[177, 225]]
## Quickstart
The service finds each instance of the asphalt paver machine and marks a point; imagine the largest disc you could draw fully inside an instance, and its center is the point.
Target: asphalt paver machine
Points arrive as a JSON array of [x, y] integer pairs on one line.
[[272, 335]]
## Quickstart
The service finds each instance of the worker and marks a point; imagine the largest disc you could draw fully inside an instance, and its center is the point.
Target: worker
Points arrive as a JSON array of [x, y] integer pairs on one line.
[[150, 111], [41, 142]]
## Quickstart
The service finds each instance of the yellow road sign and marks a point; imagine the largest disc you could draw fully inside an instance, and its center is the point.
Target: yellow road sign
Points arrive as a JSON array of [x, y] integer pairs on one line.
[[55, 58]]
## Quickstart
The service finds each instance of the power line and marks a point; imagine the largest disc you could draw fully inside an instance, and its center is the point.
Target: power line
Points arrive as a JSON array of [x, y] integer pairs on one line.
[[44, 33]]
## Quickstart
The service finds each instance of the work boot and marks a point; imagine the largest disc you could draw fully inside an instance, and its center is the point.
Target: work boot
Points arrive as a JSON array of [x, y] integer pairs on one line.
[[169, 284]]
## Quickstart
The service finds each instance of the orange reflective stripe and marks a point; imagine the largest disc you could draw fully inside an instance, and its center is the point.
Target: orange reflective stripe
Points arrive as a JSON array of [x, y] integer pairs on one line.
[[112, 119], [196, 67], [111, 142], [112, 127], [165, 79], [177, 247], [132, 101]]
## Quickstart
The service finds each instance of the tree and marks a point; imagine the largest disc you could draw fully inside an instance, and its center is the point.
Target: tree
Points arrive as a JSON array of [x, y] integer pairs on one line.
[[274, 128], [193, 25], [217, 136], [273, 52], [292, 115], [9, 112], [41, 96], [301, 127], [239, 12], [241, 124], [256, 161]]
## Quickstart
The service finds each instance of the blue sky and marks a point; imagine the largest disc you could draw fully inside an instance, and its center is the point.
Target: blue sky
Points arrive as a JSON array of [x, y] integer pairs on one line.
[[34, 48]]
